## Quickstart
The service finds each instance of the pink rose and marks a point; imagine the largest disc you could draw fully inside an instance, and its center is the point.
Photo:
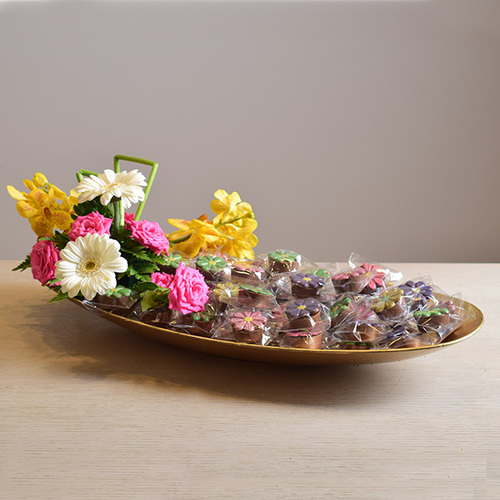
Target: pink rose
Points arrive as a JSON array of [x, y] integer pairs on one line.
[[188, 290], [148, 234], [128, 218], [93, 223], [162, 279], [44, 256]]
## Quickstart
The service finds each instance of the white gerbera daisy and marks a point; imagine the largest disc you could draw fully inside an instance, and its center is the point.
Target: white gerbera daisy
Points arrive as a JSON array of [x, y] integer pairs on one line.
[[125, 185], [89, 264]]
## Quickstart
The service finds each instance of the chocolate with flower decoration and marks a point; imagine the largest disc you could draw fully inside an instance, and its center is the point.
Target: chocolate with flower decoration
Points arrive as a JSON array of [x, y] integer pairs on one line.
[[203, 277]]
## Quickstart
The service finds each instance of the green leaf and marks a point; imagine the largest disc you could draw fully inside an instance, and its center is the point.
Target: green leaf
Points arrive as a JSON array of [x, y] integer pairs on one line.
[[144, 286], [87, 207], [60, 240], [154, 298], [25, 264], [59, 296]]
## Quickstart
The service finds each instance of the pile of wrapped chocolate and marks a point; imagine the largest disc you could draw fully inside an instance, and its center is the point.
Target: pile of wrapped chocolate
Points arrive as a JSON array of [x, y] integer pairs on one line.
[[282, 299]]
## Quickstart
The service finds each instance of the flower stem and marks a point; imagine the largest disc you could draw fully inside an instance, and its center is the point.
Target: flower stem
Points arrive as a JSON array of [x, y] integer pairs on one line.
[[118, 217], [154, 168], [81, 173], [181, 239]]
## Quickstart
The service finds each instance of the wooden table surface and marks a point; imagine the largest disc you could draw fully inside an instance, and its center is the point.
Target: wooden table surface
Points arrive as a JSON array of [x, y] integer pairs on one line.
[[89, 410]]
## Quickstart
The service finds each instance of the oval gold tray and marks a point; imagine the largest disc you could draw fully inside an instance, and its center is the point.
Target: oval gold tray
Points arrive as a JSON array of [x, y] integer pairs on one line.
[[294, 356]]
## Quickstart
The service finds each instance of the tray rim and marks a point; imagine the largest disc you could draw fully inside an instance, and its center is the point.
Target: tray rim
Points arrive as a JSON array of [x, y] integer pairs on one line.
[[291, 355]]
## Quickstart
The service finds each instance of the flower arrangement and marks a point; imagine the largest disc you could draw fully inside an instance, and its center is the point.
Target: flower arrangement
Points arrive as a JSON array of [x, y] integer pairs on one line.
[[87, 245], [204, 279]]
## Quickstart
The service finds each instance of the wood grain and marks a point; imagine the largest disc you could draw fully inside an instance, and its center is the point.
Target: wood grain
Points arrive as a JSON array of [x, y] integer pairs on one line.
[[89, 410]]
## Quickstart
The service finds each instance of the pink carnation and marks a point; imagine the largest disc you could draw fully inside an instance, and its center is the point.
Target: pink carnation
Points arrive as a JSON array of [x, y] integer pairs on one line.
[[162, 279], [93, 223], [44, 256], [148, 234], [188, 290]]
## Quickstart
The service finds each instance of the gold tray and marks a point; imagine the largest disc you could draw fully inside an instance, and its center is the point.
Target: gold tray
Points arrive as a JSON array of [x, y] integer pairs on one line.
[[294, 356]]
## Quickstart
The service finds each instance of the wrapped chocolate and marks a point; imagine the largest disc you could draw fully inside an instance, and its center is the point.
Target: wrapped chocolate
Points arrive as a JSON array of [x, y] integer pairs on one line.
[[213, 267], [390, 304], [314, 283], [250, 272], [343, 309], [247, 325], [283, 261], [201, 323], [307, 338], [245, 295], [407, 335], [172, 263], [363, 326], [418, 293], [441, 319], [119, 300]]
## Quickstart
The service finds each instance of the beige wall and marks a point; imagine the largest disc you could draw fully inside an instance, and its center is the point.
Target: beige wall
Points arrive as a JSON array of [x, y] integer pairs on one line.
[[371, 127]]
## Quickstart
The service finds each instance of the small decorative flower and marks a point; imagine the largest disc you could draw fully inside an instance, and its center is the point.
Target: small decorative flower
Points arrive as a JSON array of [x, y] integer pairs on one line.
[[211, 263], [173, 260], [321, 272], [283, 256], [387, 299], [88, 265], [308, 280], [93, 223], [226, 290], [248, 320], [418, 291], [44, 257], [354, 273], [127, 186], [302, 307], [427, 313], [377, 275], [339, 307]]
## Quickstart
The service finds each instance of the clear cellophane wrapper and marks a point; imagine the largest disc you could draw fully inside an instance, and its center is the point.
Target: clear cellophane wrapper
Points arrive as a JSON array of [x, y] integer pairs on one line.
[[247, 325], [303, 323], [237, 294], [199, 323], [380, 310]]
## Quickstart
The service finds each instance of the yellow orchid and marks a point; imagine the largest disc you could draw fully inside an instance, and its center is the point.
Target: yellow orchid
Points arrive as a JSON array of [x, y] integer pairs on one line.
[[230, 232], [40, 181], [239, 241], [194, 236], [41, 207], [230, 209]]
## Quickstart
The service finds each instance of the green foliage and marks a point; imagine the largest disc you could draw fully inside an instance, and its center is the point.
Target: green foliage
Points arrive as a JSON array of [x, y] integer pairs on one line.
[[59, 296], [95, 205], [142, 261], [144, 286], [154, 298], [60, 240], [25, 264]]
